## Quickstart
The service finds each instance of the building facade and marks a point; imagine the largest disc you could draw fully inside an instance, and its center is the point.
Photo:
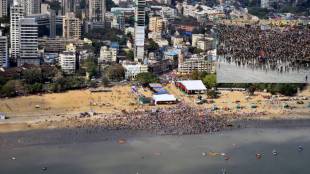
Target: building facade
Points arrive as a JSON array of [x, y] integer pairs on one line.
[[139, 30], [3, 8], [71, 26], [97, 10], [132, 70], [67, 62], [108, 54], [17, 13], [199, 64], [156, 24], [68, 6], [4, 56], [28, 42]]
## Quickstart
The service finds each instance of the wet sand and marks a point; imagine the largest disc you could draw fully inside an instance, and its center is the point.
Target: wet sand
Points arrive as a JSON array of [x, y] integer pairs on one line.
[[147, 153]]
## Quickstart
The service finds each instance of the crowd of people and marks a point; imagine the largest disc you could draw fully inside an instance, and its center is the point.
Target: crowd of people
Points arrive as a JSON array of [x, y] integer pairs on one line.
[[279, 49], [178, 120]]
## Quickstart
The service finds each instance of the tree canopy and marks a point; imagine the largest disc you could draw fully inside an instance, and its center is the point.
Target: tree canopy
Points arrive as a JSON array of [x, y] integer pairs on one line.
[[146, 78], [210, 80], [115, 72]]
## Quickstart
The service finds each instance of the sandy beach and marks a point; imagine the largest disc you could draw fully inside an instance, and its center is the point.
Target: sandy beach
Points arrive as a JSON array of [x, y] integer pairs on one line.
[[62, 110]]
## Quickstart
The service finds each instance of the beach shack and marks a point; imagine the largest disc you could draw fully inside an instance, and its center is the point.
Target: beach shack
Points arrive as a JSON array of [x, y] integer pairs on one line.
[[164, 99], [191, 86]]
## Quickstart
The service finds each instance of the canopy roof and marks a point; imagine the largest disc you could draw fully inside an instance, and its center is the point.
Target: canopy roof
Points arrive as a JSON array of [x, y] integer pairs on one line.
[[193, 85], [164, 98]]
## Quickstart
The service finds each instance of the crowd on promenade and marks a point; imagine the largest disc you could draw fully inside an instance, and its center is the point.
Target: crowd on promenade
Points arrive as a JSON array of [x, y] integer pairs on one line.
[[278, 49]]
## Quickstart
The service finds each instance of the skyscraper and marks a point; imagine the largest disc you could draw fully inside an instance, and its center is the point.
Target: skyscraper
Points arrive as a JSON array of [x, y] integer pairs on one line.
[[17, 12], [30, 6], [71, 26], [36, 8], [3, 50], [97, 10], [52, 24], [139, 30], [68, 6], [28, 42], [3, 8]]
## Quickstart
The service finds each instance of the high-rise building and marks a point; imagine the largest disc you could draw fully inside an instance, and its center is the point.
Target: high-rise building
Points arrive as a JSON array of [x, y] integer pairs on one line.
[[71, 26], [139, 30], [97, 10], [156, 24], [36, 8], [17, 12], [28, 42], [3, 50], [30, 6], [3, 8], [52, 23], [68, 6]]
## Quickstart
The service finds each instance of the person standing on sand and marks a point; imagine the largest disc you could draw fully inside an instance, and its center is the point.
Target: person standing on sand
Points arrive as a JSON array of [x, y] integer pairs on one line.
[[306, 78]]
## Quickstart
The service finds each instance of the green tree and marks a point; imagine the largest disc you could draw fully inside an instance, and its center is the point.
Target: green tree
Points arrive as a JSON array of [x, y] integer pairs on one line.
[[210, 81], [146, 78], [261, 13], [152, 45], [110, 4], [91, 67], [115, 72], [195, 75], [251, 89], [32, 76], [105, 81], [212, 94], [33, 88], [130, 55], [9, 89]]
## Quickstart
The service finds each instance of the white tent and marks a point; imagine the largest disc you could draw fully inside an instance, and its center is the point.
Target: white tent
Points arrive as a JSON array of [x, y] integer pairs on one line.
[[164, 98], [193, 85]]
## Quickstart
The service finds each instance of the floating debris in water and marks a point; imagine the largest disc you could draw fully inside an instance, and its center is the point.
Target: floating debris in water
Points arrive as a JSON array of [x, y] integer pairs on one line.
[[44, 168], [274, 152], [226, 158], [258, 156], [300, 148], [13, 158], [204, 154]]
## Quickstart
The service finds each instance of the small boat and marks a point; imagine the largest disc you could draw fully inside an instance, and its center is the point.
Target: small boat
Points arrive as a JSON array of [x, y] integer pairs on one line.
[[274, 152], [300, 148]]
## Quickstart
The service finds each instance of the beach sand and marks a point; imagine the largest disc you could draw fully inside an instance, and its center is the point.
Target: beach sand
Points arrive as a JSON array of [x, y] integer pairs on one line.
[[36, 111]]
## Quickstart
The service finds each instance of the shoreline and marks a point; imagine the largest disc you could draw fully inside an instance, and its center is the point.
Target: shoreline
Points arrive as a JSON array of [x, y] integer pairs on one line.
[[74, 135], [49, 122]]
